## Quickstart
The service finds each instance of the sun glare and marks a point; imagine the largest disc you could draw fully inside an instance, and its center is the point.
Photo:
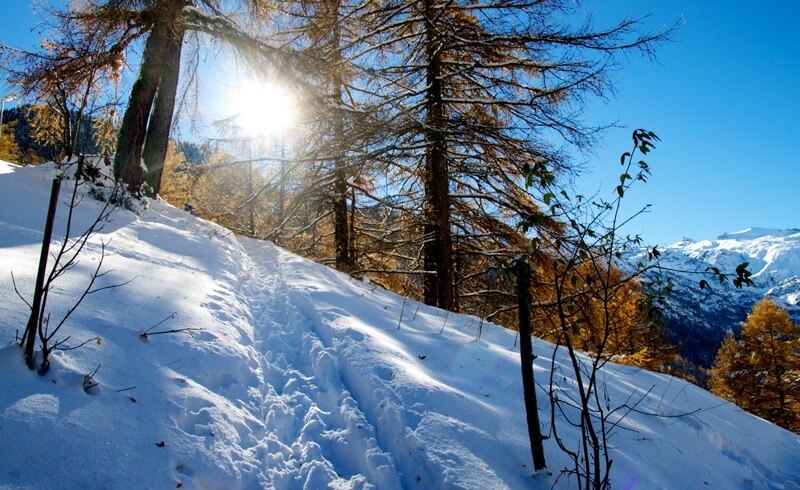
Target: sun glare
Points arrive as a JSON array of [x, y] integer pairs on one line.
[[263, 109]]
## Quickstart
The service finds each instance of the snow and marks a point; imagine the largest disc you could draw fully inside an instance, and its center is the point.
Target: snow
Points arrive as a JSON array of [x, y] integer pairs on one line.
[[758, 232], [773, 255], [298, 376]]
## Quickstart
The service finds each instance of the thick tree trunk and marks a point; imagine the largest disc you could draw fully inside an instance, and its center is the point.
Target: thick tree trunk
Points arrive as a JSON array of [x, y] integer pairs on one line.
[[157, 140], [341, 225], [128, 158], [437, 248], [351, 237]]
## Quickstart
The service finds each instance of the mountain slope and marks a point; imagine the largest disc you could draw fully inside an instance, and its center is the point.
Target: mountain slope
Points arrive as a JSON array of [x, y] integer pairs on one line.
[[699, 319], [297, 376]]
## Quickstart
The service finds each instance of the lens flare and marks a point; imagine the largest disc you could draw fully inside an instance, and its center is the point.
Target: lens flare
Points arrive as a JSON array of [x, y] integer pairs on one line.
[[263, 109]]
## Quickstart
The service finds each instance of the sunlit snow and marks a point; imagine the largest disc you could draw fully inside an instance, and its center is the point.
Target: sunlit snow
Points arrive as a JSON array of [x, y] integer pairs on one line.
[[297, 376]]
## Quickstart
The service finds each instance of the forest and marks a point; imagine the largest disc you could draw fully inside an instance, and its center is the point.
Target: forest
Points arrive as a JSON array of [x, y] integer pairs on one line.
[[432, 155]]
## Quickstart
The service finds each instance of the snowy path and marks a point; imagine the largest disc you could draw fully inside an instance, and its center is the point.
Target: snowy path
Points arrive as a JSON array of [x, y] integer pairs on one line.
[[317, 435]]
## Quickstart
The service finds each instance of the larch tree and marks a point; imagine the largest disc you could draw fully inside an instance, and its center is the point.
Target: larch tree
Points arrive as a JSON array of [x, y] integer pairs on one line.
[[160, 20], [621, 325], [146, 123], [319, 28], [78, 59], [761, 371], [474, 91]]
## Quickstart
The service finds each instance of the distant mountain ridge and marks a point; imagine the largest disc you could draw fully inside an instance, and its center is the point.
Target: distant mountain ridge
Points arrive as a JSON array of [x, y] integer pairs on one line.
[[699, 319]]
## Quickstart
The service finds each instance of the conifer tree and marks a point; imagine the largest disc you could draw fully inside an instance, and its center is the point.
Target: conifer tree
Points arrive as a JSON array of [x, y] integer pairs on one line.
[[474, 92], [163, 24], [761, 371]]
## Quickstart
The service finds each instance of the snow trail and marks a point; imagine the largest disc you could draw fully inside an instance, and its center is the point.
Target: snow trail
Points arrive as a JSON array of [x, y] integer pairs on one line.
[[317, 435]]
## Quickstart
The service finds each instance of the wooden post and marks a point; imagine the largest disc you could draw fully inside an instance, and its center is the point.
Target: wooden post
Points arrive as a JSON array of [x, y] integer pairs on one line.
[[523, 271], [33, 321]]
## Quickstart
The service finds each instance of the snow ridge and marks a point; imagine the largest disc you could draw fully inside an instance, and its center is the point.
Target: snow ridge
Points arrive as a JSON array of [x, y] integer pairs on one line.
[[757, 232]]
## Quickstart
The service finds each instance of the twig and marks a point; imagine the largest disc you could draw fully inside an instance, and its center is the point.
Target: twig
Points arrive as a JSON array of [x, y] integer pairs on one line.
[[402, 309], [171, 316], [480, 330], [175, 330], [170, 363], [14, 282], [419, 303], [91, 375], [445, 321], [57, 345], [88, 380]]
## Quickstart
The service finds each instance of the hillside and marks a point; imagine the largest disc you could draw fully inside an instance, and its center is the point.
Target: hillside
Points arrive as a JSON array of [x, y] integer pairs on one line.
[[699, 319], [297, 376]]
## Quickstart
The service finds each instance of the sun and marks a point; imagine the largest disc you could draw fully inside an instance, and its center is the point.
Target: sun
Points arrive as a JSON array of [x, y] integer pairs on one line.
[[263, 108]]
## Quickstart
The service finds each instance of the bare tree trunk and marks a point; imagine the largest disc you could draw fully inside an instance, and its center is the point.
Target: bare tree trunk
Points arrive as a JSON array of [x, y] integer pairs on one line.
[[158, 130], [438, 247], [127, 161], [341, 225]]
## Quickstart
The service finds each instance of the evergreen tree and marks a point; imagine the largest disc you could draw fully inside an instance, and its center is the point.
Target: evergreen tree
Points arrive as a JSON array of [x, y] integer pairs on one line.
[[761, 371]]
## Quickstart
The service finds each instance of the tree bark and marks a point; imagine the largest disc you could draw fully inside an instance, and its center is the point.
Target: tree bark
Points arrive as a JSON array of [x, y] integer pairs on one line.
[[128, 158], [158, 130], [437, 248], [351, 237], [341, 225]]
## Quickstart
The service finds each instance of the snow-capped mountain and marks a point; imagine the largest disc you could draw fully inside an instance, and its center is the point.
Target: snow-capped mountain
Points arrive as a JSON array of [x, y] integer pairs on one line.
[[699, 319]]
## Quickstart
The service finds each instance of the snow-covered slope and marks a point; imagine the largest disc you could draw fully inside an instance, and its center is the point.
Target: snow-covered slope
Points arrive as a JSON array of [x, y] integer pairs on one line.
[[299, 377], [699, 319]]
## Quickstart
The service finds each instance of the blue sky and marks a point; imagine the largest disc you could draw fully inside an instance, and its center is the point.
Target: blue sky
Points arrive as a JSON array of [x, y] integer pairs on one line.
[[723, 97], [724, 100]]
